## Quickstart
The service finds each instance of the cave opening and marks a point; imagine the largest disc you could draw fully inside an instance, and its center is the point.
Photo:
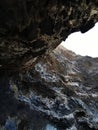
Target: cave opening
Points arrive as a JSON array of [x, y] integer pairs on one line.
[[42, 86], [84, 44]]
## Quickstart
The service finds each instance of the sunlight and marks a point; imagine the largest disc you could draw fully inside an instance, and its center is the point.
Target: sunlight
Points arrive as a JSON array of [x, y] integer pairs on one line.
[[83, 44]]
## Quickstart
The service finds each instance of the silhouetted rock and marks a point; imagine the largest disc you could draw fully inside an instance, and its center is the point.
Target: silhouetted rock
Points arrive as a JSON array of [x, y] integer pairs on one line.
[[31, 28]]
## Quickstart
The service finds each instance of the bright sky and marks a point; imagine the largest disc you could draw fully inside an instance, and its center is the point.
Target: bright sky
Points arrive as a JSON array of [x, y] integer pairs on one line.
[[83, 44]]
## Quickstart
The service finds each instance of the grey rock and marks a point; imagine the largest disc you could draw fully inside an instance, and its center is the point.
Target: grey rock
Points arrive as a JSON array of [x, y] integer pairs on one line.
[[60, 90]]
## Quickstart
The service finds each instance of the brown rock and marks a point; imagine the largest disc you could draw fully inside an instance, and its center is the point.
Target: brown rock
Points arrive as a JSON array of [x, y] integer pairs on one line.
[[29, 28]]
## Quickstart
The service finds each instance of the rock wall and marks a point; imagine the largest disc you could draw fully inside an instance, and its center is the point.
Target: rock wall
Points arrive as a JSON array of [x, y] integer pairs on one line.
[[61, 90], [31, 28], [42, 89]]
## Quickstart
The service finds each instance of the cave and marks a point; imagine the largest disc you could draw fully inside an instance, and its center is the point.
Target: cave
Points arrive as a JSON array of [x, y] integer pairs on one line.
[[84, 44], [44, 86]]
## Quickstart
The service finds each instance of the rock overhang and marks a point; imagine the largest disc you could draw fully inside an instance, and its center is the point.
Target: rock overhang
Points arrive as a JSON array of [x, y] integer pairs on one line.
[[30, 29]]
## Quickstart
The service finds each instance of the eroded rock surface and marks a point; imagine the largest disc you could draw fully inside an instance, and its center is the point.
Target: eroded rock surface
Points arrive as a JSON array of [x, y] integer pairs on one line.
[[40, 90], [61, 90], [31, 28]]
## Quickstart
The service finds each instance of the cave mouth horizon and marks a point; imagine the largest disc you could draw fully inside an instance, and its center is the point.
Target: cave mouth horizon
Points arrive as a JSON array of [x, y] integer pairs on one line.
[[84, 44]]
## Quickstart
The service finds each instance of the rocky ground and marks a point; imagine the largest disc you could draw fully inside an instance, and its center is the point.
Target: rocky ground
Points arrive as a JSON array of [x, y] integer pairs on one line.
[[59, 93]]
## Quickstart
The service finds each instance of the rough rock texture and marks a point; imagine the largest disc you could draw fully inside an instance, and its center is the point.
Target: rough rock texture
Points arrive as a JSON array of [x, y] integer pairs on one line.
[[40, 90], [30, 28], [61, 90]]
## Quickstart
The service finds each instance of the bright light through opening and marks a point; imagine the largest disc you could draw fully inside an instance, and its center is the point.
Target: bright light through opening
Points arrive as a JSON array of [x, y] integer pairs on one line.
[[83, 44]]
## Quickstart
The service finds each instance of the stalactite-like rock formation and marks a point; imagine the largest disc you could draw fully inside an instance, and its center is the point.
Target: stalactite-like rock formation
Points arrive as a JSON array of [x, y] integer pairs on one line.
[[31, 28]]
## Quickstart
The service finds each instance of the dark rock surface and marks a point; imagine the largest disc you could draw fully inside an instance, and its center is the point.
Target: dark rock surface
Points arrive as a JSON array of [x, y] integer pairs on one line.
[[41, 89], [31, 28], [61, 90]]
